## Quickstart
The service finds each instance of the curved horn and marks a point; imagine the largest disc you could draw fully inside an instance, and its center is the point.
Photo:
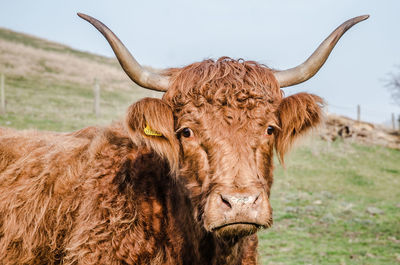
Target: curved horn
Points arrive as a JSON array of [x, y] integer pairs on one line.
[[311, 66], [131, 67]]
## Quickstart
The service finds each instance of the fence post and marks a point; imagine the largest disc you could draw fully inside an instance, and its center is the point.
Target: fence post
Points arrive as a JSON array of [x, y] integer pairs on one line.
[[393, 122], [2, 96], [398, 120], [96, 103], [358, 113]]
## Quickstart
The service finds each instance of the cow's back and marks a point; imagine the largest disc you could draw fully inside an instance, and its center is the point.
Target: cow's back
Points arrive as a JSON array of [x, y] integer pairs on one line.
[[40, 173], [90, 197]]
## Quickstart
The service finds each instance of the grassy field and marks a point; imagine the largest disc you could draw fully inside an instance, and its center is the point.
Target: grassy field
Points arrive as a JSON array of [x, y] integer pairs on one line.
[[49, 86], [335, 203], [50, 105]]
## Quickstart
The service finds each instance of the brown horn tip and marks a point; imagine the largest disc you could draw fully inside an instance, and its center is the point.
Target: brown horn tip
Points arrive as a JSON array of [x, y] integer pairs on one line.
[[132, 68], [311, 66]]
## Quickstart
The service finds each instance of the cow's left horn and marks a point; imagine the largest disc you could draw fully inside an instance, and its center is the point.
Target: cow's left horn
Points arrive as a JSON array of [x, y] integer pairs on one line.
[[311, 66], [132, 68]]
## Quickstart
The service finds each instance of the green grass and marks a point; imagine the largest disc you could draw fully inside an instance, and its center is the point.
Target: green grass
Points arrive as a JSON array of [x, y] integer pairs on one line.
[[33, 102], [320, 206]]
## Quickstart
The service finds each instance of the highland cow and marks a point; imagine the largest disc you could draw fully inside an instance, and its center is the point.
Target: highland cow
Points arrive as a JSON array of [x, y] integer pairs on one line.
[[185, 179]]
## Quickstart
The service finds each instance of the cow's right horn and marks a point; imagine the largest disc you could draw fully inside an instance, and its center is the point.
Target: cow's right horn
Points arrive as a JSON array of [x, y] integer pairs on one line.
[[311, 66], [132, 68]]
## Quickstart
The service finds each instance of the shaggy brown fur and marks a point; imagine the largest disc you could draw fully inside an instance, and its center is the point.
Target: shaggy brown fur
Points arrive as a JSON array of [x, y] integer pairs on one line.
[[117, 196]]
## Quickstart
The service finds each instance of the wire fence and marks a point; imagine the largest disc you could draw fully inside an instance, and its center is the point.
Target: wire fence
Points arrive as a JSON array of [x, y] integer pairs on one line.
[[358, 112]]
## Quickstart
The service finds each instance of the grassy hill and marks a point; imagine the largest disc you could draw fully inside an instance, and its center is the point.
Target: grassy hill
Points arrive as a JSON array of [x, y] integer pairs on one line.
[[335, 203], [50, 86]]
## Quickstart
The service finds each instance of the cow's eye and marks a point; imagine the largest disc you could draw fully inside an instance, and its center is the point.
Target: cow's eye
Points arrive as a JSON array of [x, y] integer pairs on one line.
[[270, 130], [186, 132]]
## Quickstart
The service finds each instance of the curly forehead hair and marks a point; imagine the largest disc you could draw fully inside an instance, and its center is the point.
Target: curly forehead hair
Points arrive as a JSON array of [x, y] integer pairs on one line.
[[225, 82]]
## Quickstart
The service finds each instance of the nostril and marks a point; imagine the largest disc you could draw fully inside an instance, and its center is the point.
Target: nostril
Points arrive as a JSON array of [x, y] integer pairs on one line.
[[225, 201], [257, 198]]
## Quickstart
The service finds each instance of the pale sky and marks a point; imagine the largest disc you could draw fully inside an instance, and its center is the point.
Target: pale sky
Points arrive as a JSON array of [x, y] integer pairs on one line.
[[278, 33]]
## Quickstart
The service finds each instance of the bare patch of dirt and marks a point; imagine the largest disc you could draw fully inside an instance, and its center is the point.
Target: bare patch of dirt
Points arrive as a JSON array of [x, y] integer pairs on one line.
[[340, 127]]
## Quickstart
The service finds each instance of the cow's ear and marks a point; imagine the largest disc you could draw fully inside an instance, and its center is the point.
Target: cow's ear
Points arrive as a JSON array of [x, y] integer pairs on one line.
[[297, 114], [150, 122]]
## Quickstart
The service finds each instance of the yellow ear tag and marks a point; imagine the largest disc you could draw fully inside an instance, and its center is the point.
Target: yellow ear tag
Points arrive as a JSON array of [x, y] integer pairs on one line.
[[150, 131]]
